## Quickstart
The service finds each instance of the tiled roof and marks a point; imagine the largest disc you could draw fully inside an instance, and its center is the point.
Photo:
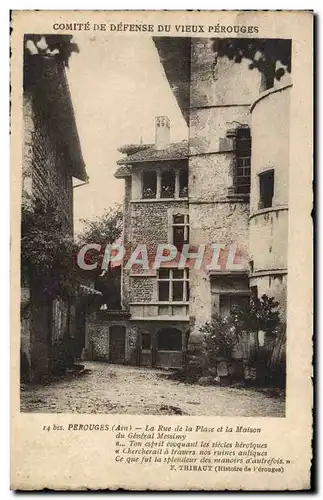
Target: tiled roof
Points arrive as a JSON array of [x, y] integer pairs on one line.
[[122, 172], [174, 151], [130, 149]]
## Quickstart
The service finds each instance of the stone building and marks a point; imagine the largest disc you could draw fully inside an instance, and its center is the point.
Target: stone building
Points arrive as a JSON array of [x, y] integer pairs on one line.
[[52, 157], [227, 185]]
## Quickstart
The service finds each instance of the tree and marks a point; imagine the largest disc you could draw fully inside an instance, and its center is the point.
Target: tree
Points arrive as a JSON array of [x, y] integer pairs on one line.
[[260, 314], [59, 46], [221, 335], [263, 54], [103, 230]]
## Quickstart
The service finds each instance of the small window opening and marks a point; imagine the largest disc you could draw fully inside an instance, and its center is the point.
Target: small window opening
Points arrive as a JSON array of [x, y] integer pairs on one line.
[[243, 161], [181, 230], [167, 184], [231, 304], [183, 184], [149, 184], [266, 189]]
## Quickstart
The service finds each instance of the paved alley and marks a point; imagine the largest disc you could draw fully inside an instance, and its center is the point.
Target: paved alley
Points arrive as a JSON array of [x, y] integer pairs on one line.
[[106, 388]]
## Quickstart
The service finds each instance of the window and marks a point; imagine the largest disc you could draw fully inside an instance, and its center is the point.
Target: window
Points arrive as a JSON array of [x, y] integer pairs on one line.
[[266, 189], [173, 285], [181, 230], [254, 291], [167, 184], [183, 183], [149, 184], [242, 160], [229, 304], [145, 341], [169, 339]]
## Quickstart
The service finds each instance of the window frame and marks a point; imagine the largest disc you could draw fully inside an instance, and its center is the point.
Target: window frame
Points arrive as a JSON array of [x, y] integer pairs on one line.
[[177, 172], [149, 171], [241, 157], [232, 296], [261, 176], [171, 280], [233, 134], [167, 172], [185, 224]]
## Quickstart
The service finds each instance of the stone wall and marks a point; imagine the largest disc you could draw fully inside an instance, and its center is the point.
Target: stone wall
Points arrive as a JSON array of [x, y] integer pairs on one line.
[[268, 231], [46, 175], [98, 340], [220, 81], [221, 93], [141, 289], [150, 225], [150, 221]]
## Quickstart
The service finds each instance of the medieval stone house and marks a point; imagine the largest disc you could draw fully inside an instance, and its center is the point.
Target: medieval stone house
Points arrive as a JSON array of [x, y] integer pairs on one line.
[[228, 184], [52, 157]]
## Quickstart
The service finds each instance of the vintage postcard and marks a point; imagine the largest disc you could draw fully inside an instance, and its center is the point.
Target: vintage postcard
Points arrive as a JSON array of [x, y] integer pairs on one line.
[[161, 250]]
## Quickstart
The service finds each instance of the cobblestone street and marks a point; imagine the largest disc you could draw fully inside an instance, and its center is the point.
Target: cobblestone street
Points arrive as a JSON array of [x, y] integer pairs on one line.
[[121, 389]]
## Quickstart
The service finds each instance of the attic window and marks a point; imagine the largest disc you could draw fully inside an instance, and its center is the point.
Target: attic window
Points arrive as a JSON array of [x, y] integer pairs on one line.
[[266, 189], [149, 184]]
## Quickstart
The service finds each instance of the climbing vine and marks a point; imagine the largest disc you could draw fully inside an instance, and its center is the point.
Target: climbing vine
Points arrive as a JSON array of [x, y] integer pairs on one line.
[[48, 252]]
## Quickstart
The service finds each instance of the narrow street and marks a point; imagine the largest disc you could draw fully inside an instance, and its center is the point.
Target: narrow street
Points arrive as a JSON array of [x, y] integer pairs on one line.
[[124, 389]]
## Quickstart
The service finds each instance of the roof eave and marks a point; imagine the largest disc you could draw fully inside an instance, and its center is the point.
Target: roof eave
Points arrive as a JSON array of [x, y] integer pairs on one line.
[[151, 160], [47, 76], [175, 56]]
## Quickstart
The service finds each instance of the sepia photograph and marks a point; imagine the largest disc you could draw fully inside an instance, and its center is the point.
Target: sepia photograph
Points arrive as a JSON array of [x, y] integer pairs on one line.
[[154, 225]]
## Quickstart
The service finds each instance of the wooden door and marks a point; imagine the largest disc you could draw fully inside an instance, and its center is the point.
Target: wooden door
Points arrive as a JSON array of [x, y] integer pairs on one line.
[[117, 344]]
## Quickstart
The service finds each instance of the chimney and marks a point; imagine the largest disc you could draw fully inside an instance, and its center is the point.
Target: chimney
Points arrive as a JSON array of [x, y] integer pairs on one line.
[[162, 133]]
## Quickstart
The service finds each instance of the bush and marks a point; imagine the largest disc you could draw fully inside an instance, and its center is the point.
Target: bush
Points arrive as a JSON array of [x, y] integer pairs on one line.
[[219, 340], [220, 337]]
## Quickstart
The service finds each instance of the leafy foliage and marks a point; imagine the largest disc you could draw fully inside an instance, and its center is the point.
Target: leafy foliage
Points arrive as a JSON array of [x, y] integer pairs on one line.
[[260, 314], [262, 54], [104, 229], [220, 337], [48, 250], [59, 46]]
